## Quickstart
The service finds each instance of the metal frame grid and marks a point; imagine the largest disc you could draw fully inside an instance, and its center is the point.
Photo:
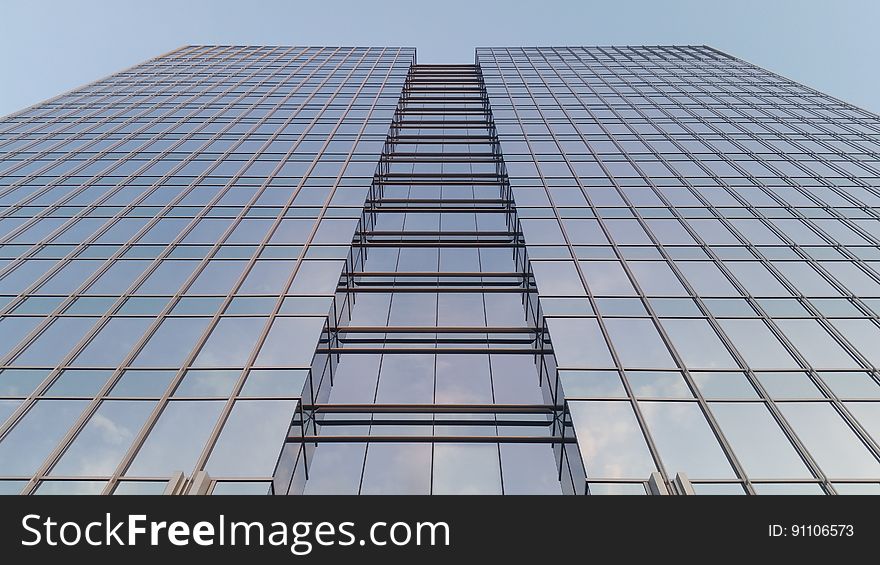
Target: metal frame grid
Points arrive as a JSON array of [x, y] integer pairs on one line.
[[689, 135], [240, 137], [441, 162]]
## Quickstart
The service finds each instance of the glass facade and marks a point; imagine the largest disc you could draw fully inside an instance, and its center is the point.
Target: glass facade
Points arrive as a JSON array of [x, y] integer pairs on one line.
[[305, 270], [709, 231], [171, 241]]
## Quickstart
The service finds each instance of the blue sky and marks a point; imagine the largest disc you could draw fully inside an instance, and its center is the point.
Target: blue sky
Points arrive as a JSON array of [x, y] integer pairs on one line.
[[49, 47]]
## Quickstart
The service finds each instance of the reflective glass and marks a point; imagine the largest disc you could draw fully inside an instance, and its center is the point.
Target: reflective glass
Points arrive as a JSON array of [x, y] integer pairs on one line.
[[610, 440]]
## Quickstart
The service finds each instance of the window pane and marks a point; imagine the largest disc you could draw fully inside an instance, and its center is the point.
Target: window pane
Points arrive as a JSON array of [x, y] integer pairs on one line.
[[176, 441], [610, 440], [171, 343], [816, 345], [251, 439], [142, 383], [197, 383], [113, 342], [106, 437], [463, 379], [290, 342], [466, 469], [638, 344], [758, 441], [698, 344], [759, 347], [578, 343], [529, 469], [55, 342], [607, 278], [230, 343], [23, 449], [406, 378], [832, 443], [685, 440], [21, 382], [403, 468]]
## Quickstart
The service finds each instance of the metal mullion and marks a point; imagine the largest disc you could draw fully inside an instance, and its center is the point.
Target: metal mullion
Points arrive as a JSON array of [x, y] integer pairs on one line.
[[777, 415], [157, 320], [133, 118], [137, 443], [615, 358], [111, 260], [221, 422], [107, 263], [754, 137], [767, 400], [93, 159], [122, 213], [139, 67], [160, 317], [836, 402]]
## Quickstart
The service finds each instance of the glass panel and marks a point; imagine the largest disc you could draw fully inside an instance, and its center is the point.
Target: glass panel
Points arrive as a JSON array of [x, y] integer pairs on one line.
[[406, 378], [610, 440], [814, 343], [652, 384], [788, 488], [20, 382], [585, 384], [177, 438], [868, 415], [606, 278], [142, 383], [844, 385], [336, 469], [230, 342], [251, 439], [759, 347], [55, 342], [462, 379], [529, 469], [393, 468], [724, 385], [857, 488], [557, 278], [578, 343], [638, 344], [103, 441], [241, 488], [78, 383], [113, 342], [466, 469], [758, 441], [789, 385], [171, 343], [70, 487], [290, 342], [832, 443], [685, 441], [25, 447], [274, 383], [698, 344], [207, 383]]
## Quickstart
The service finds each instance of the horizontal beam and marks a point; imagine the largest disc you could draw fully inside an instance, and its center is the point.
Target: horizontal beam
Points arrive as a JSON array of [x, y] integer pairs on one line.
[[434, 408], [427, 439]]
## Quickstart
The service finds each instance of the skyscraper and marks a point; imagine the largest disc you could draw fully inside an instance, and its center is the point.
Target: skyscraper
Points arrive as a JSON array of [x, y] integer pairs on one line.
[[302, 270]]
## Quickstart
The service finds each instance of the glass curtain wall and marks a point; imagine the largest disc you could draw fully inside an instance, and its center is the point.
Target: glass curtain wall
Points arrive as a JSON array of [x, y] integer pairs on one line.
[[435, 382]]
